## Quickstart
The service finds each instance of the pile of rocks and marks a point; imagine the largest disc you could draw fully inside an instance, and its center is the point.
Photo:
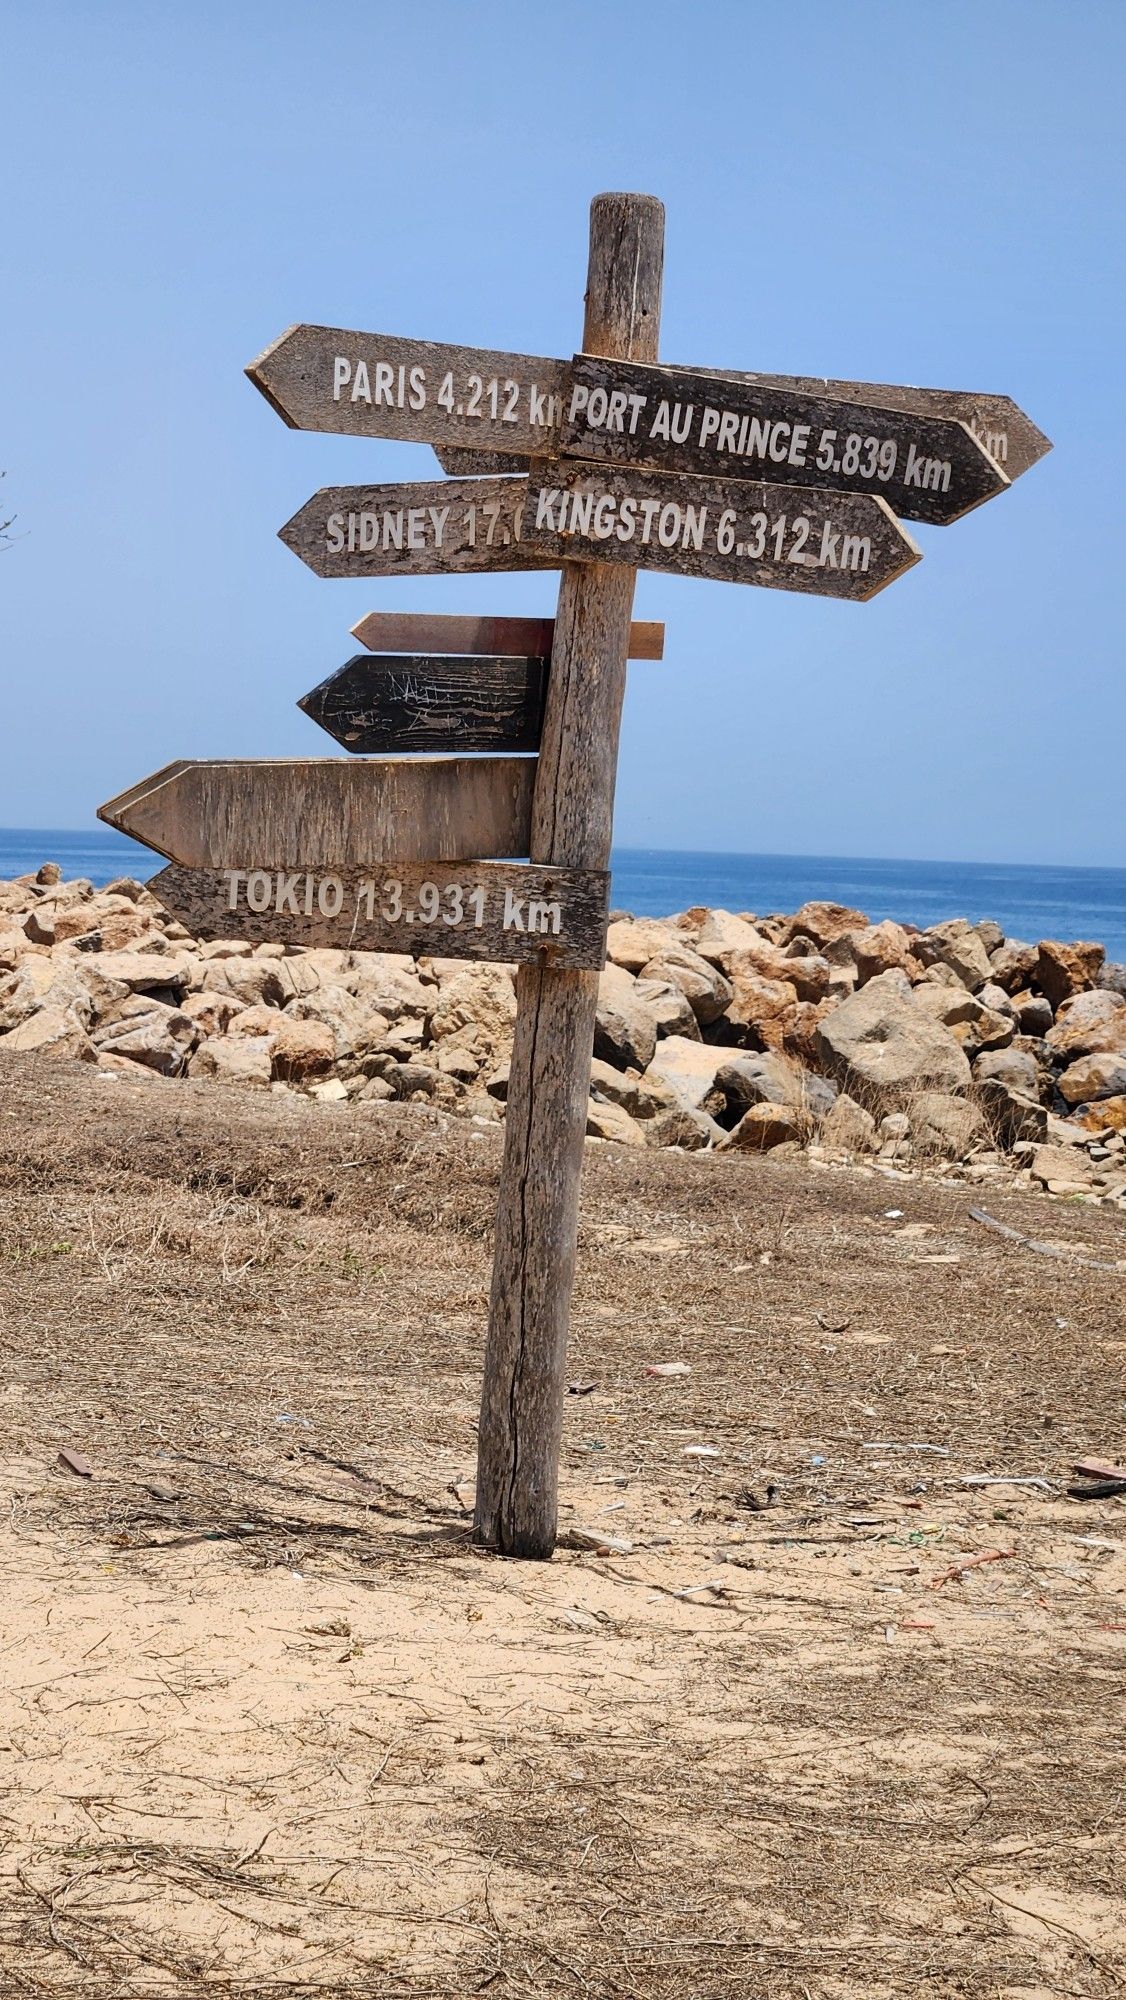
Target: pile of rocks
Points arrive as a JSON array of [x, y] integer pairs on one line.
[[953, 1046]]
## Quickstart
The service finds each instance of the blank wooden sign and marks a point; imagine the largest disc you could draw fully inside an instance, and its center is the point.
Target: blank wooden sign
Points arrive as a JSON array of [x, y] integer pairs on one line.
[[446, 632], [330, 812]]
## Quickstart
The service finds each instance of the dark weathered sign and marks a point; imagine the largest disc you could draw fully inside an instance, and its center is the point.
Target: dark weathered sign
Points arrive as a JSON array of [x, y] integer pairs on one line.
[[927, 468], [432, 701], [1010, 437], [329, 812], [787, 537], [543, 916], [323, 378], [445, 632], [424, 529]]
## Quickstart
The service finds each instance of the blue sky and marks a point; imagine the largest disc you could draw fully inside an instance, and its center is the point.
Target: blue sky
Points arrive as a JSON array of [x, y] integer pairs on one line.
[[881, 191]]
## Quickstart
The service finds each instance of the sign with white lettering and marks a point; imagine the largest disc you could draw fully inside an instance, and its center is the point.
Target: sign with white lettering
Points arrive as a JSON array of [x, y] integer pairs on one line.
[[330, 812], [523, 915], [1010, 437], [522, 638], [322, 378], [787, 537], [928, 468], [435, 529], [431, 701]]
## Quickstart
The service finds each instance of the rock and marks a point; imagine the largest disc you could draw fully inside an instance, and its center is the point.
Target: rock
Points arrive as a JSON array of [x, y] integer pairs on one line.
[[613, 1086], [759, 1007], [496, 1085], [944, 1125], [769, 1078], [690, 1069], [764, 1126], [849, 1128], [826, 922], [457, 1062], [705, 989], [335, 1008], [991, 935], [1090, 1023], [957, 945], [951, 1005], [48, 874], [1013, 964], [896, 1125], [389, 984], [998, 1001], [234, 1059], [1064, 969], [632, 941], [301, 1049], [1011, 1114], [819, 1094], [1014, 1067], [1112, 979], [146, 972], [878, 948], [212, 1013], [1093, 1077], [692, 1131], [147, 1032], [1108, 1115], [799, 1031], [882, 1044], [253, 982], [1034, 1013], [331, 1091], [669, 1008], [721, 933], [1062, 1168], [56, 1030], [476, 1008], [625, 1032], [1065, 1132], [612, 1121]]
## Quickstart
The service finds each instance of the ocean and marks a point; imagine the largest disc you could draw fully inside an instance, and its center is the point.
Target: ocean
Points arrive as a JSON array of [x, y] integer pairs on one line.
[[1027, 902]]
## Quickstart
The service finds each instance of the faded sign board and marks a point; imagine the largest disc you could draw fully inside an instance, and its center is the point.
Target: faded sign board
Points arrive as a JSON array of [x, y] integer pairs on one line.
[[325, 378], [927, 468], [381, 702], [446, 632], [329, 811], [481, 910], [428, 528], [786, 537], [1010, 437]]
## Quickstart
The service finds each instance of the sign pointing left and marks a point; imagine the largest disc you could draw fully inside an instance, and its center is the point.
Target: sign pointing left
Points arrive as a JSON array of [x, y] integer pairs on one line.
[[323, 378]]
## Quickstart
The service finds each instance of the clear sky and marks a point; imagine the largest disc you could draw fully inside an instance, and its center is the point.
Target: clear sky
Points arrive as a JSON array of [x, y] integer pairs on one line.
[[863, 188]]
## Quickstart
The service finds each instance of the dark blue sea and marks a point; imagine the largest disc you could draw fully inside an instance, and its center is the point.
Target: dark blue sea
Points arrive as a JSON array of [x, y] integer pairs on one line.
[[1028, 903]]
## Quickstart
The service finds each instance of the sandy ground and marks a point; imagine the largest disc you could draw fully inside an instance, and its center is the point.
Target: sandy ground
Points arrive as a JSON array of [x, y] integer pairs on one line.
[[270, 1725]]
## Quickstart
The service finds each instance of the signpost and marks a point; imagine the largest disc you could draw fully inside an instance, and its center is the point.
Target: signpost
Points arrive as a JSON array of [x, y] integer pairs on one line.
[[929, 468], [329, 812], [600, 466], [477, 909]]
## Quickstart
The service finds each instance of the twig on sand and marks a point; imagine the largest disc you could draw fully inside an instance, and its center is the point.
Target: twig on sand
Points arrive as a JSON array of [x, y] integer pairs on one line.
[[971, 1562], [1042, 1249]]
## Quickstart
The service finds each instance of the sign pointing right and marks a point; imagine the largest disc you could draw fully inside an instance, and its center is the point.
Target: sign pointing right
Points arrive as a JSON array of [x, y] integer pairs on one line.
[[927, 468]]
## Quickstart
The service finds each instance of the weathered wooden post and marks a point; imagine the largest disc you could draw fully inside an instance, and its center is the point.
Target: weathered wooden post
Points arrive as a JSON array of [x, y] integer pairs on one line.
[[572, 820]]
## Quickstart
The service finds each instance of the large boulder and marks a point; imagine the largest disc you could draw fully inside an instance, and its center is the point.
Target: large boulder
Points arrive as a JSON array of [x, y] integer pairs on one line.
[[1064, 969], [883, 1047], [149, 1032], [1112, 979], [691, 1131], [703, 986], [958, 945], [1093, 1077], [764, 1126], [825, 923], [253, 982], [759, 1008], [1089, 1023], [234, 1059], [944, 1126], [56, 1030], [336, 1009], [632, 941], [1013, 964], [475, 1009], [669, 1007], [612, 1121], [691, 1070], [625, 1031], [721, 933], [1010, 1114], [849, 1128], [766, 1078], [879, 948], [1015, 1067]]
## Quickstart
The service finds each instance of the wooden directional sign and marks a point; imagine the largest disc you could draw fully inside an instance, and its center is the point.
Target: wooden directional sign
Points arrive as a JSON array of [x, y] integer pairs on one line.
[[927, 468], [329, 812], [432, 701], [521, 638], [541, 916], [322, 378], [1006, 431], [833, 544], [449, 525]]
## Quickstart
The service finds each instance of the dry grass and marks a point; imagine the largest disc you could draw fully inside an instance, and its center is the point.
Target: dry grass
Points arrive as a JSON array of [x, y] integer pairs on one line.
[[269, 1725]]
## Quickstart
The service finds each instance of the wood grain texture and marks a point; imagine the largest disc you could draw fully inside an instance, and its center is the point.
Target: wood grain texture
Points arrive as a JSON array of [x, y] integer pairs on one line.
[[537, 1213], [431, 702], [928, 468], [528, 916], [330, 812], [326, 378], [446, 632], [784, 537], [464, 463], [429, 528]]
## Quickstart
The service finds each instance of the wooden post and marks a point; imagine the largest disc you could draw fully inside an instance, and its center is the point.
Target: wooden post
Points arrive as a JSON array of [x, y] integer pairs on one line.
[[549, 1082]]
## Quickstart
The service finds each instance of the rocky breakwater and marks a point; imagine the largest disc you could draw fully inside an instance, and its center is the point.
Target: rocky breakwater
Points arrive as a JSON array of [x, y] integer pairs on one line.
[[953, 1049]]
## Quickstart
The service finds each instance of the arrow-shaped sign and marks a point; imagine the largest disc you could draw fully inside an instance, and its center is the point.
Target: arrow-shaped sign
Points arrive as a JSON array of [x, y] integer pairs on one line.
[[437, 528], [521, 638], [927, 468], [329, 812], [432, 702], [323, 378]]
